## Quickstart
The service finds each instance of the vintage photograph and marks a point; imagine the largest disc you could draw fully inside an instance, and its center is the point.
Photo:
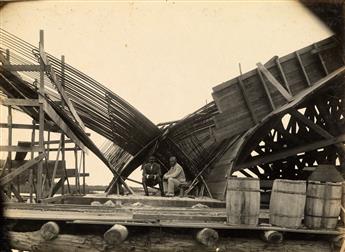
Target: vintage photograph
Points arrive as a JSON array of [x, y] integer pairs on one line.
[[172, 126]]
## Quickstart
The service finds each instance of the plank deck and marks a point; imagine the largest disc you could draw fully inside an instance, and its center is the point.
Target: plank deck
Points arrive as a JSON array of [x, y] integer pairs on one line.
[[182, 217]]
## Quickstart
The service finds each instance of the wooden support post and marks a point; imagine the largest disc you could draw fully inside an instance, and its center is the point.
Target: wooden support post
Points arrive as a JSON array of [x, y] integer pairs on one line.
[[283, 75], [55, 169], [76, 168], [62, 180], [207, 236], [41, 118], [321, 60], [246, 99], [115, 235], [8, 55], [9, 155], [49, 231], [206, 186], [16, 193], [31, 175], [303, 69], [54, 79], [83, 155], [274, 82], [9, 177], [273, 236], [267, 91]]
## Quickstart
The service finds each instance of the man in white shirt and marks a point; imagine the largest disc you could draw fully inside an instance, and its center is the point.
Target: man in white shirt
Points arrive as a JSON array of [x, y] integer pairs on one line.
[[173, 178]]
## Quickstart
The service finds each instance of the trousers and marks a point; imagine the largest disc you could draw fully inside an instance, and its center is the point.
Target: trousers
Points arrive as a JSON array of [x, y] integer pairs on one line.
[[170, 185], [150, 181]]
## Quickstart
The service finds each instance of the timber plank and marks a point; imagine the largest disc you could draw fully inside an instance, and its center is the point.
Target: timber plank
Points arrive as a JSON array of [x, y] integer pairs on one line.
[[9, 177], [62, 125]]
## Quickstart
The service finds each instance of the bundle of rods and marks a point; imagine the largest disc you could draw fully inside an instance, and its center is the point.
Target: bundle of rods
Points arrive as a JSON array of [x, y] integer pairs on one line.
[[115, 155], [99, 108], [127, 130]]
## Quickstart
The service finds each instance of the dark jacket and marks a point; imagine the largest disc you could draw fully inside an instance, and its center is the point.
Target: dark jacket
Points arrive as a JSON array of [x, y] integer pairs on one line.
[[151, 169]]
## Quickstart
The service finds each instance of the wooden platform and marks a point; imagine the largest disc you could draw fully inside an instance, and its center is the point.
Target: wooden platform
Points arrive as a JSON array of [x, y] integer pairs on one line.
[[156, 201], [138, 214]]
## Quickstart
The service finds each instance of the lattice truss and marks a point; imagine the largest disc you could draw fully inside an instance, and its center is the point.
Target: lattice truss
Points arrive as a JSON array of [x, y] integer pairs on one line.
[[303, 137]]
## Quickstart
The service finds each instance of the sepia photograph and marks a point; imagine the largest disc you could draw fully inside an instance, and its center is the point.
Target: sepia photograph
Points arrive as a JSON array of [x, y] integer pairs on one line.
[[172, 125]]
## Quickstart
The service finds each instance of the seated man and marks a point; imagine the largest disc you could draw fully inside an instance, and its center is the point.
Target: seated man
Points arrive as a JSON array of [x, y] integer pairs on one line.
[[152, 175], [173, 178]]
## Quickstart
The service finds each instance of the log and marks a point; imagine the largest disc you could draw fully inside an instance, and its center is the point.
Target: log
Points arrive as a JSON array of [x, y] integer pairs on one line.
[[116, 234], [156, 241], [49, 231], [271, 236], [207, 236]]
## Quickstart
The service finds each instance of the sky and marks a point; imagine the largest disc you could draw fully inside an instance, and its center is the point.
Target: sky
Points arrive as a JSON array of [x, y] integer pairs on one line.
[[163, 57]]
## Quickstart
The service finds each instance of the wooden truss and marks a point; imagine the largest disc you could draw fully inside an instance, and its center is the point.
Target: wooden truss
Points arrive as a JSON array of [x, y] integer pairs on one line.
[[308, 135]]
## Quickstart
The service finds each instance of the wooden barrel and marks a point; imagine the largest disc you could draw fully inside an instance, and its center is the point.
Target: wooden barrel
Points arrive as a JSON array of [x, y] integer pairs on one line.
[[323, 204], [287, 203], [243, 201]]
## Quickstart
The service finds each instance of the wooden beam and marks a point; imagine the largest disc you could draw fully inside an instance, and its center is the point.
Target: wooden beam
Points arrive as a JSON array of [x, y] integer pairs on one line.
[[19, 102], [274, 82], [319, 130], [62, 125], [321, 59], [9, 177], [17, 163], [303, 69], [5, 61], [283, 75], [53, 199], [61, 90], [268, 94], [54, 142], [65, 149], [22, 68], [16, 193], [47, 126], [57, 186], [20, 148], [41, 97], [290, 152], [246, 99], [55, 168]]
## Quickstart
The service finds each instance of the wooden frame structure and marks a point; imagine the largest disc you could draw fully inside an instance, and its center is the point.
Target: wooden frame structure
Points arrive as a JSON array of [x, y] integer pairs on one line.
[[297, 101], [39, 171]]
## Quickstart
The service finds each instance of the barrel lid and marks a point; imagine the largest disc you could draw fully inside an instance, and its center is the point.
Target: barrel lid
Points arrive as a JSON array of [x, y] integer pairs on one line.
[[326, 173], [290, 181], [241, 178], [325, 183]]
